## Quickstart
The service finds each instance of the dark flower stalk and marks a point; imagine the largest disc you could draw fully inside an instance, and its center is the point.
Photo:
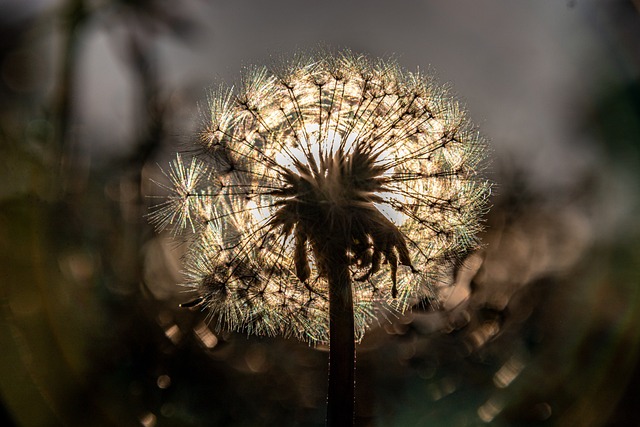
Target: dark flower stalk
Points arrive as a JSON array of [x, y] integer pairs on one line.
[[342, 347], [322, 196]]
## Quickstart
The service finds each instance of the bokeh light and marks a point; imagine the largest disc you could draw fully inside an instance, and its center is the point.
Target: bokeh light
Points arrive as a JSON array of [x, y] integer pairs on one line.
[[539, 327]]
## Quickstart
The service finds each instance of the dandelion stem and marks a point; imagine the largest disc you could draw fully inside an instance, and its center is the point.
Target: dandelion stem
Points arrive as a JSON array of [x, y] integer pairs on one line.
[[342, 343], [331, 167]]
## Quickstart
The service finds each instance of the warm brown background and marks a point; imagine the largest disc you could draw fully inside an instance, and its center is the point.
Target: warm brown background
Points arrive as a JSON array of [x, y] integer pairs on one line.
[[541, 328]]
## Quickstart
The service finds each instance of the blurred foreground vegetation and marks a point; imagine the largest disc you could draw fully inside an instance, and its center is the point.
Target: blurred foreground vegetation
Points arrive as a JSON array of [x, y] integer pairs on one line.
[[540, 329]]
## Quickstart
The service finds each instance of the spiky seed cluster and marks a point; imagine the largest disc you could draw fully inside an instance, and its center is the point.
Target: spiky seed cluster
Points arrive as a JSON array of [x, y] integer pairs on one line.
[[330, 152]]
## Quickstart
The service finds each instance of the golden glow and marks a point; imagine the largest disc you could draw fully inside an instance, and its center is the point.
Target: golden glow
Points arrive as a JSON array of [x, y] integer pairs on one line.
[[303, 122]]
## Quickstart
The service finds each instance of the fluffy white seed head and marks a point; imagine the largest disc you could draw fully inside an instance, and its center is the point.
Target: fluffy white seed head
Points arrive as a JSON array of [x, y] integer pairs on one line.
[[325, 146]]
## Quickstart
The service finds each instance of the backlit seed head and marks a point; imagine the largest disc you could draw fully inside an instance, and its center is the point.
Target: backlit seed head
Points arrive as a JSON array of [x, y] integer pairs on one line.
[[326, 152]]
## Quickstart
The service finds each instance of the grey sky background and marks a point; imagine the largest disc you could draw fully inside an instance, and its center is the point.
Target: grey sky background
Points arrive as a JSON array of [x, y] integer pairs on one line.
[[521, 67]]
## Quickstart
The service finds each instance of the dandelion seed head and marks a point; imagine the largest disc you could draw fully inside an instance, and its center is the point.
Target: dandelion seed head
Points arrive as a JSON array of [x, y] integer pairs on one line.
[[334, 147]]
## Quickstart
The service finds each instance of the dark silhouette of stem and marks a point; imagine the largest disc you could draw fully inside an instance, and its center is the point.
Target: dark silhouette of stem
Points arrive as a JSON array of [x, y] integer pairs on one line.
[[342, 343]]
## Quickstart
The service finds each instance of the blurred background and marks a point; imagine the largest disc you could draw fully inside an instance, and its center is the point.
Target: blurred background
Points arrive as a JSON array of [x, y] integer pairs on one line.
[[541, 327]]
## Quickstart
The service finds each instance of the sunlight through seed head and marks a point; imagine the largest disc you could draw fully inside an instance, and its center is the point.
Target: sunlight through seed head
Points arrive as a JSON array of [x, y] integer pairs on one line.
[[328, 143]]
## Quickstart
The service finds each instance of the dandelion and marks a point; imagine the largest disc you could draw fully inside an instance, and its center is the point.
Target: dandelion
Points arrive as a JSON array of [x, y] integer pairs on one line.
[[323, 195]]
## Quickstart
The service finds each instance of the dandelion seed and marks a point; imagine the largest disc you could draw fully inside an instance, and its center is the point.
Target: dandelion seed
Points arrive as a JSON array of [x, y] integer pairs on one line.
[[327, 145], [190, 200], [326, 195]]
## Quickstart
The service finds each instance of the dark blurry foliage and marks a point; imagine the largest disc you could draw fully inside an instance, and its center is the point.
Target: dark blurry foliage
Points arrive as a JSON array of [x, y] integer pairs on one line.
[[540, 329], [616, 120]]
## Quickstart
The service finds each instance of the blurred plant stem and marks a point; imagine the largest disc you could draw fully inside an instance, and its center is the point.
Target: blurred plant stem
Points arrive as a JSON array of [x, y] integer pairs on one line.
[[74, 15]]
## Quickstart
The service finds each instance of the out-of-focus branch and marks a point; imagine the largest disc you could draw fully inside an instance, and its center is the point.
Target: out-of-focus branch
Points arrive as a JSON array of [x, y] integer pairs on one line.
[[74, 17]]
